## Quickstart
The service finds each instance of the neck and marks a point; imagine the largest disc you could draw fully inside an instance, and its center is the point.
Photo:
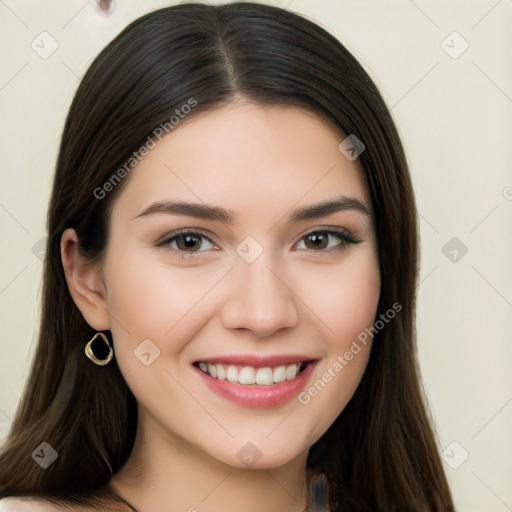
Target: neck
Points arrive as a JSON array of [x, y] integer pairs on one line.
[[164, 470]]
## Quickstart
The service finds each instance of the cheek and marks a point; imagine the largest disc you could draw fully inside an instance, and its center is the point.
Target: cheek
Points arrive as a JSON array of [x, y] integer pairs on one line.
[[346, 305], [343, 297], [149, 299]]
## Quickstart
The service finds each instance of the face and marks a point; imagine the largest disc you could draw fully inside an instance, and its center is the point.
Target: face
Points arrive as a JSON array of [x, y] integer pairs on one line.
[[261, 292]]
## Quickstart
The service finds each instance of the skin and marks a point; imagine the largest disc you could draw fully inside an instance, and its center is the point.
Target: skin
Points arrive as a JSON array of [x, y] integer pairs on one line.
[[294, 298]]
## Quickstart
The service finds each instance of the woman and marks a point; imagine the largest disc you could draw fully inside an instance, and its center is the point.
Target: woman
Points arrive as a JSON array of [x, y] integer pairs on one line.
[[200, 347]]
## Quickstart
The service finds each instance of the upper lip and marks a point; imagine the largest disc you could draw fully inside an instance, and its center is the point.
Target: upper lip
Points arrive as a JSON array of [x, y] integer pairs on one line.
[[258, 360]]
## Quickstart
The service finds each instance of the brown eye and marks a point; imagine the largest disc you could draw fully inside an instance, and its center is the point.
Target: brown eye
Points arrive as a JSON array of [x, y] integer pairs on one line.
[[188, 242], [319, 240]]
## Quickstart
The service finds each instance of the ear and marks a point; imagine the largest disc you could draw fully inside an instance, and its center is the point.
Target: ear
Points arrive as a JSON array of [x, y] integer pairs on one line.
[[85, 282]]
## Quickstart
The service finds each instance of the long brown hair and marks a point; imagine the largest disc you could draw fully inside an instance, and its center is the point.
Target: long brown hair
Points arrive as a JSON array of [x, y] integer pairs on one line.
[[381, 453]]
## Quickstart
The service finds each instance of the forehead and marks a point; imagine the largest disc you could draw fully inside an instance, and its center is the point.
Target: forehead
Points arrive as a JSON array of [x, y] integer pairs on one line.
[[248, 159]]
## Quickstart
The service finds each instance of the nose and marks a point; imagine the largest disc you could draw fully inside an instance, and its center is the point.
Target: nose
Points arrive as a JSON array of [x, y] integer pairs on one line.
[[260, 298]]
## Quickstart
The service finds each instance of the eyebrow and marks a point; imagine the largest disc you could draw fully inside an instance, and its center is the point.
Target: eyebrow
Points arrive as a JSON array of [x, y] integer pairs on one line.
[[211, 212]]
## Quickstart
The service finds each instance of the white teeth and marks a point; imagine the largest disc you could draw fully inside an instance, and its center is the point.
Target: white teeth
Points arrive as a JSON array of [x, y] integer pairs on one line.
[[291, 371], [212, 370], [232, 374], [264, 377], [221, 373], [280, 374], [248, 375]]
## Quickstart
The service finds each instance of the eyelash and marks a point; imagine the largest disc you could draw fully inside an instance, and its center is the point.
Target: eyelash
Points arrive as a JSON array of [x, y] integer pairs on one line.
[[345, 238]]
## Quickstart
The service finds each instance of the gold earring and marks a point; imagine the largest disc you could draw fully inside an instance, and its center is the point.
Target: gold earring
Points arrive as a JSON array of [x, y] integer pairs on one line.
[[101, 351]]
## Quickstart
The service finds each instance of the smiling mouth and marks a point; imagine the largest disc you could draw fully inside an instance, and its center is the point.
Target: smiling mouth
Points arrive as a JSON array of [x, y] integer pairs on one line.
[[253, 376]]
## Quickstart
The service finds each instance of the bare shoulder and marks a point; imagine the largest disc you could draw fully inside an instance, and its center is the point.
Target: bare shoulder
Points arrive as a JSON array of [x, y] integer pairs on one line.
[[27, 504], [91, 503]]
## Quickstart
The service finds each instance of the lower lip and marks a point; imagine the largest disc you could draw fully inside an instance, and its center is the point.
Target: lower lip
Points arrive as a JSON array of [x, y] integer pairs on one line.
[[259, 397]]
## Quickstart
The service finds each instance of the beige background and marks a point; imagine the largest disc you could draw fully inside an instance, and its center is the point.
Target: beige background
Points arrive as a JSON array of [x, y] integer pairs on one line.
[[454, 115]]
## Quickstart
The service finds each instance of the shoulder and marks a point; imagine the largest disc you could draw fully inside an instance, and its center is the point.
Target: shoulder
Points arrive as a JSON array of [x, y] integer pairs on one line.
[[40, 504], [27, 504]]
